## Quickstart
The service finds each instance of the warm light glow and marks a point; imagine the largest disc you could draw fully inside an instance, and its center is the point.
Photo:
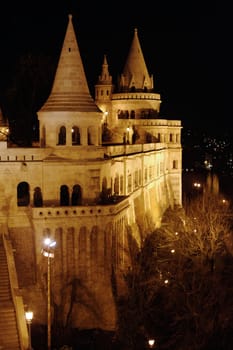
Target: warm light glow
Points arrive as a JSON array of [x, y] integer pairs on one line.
[[173, 251], [151, 342], [166, 281], [47, 254], [197, 184], [29, 316], [49, 242]]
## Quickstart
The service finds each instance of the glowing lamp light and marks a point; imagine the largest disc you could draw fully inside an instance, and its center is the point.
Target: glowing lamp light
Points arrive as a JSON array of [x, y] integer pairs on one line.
[[49, 242], [29, 316], [151, 343], [47, 254]]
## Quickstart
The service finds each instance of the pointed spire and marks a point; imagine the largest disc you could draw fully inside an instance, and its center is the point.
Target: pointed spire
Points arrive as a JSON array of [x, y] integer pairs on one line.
[[135, 74], [105, 77], [70, 89]]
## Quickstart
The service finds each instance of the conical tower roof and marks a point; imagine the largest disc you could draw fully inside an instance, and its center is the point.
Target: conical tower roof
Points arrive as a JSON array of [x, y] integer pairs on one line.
[[135, 74], [70, 90]]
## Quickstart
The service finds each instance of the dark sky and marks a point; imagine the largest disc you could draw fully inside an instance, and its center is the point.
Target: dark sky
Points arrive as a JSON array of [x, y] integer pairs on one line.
[[184, 44]]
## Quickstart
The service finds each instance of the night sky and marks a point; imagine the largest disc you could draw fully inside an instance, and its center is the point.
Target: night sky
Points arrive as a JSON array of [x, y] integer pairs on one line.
[[184, 45]]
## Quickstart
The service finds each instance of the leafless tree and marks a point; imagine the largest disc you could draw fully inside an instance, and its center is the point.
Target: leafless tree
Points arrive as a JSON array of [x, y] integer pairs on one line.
[[181, 289]]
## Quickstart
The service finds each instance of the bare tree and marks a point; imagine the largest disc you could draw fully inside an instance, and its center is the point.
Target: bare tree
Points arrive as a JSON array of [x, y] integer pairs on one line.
[[182, 286]]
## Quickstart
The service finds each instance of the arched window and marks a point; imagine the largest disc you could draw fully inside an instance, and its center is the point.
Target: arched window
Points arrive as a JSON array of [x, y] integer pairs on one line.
[[62, 136], [37, 197], [116, 185], [132, 114], [89, 136], [76, 198], [75, 136], [64, 195], [175, 164], [23, 195]]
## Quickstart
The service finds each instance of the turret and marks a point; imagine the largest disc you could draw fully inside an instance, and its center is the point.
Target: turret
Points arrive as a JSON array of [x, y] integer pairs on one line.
[[135, 76], [103, 90], [70, 116]]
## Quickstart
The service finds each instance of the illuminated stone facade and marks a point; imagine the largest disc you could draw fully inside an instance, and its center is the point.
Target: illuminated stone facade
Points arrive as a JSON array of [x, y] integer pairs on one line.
[[106, 168]]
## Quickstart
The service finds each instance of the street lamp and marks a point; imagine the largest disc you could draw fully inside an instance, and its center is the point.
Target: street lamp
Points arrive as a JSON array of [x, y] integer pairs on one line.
[[48, 253], [29, 317]]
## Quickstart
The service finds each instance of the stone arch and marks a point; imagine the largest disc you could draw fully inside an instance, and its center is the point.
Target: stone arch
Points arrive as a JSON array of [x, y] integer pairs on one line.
[[23, 194], [75, 135], [76, 197], [64, 195], [62, 135], [37, 197], [106, 192], [116, 188]]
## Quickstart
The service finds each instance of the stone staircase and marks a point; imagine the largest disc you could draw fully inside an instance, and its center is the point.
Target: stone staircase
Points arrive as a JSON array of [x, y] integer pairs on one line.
[[9, 337]]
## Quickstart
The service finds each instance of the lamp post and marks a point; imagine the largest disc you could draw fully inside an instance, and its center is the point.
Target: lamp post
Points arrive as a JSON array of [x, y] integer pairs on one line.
[[48, 253], [29, 317]]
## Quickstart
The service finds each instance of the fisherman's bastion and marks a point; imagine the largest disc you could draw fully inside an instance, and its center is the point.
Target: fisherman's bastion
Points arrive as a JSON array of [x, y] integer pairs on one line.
[[104, 170]]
